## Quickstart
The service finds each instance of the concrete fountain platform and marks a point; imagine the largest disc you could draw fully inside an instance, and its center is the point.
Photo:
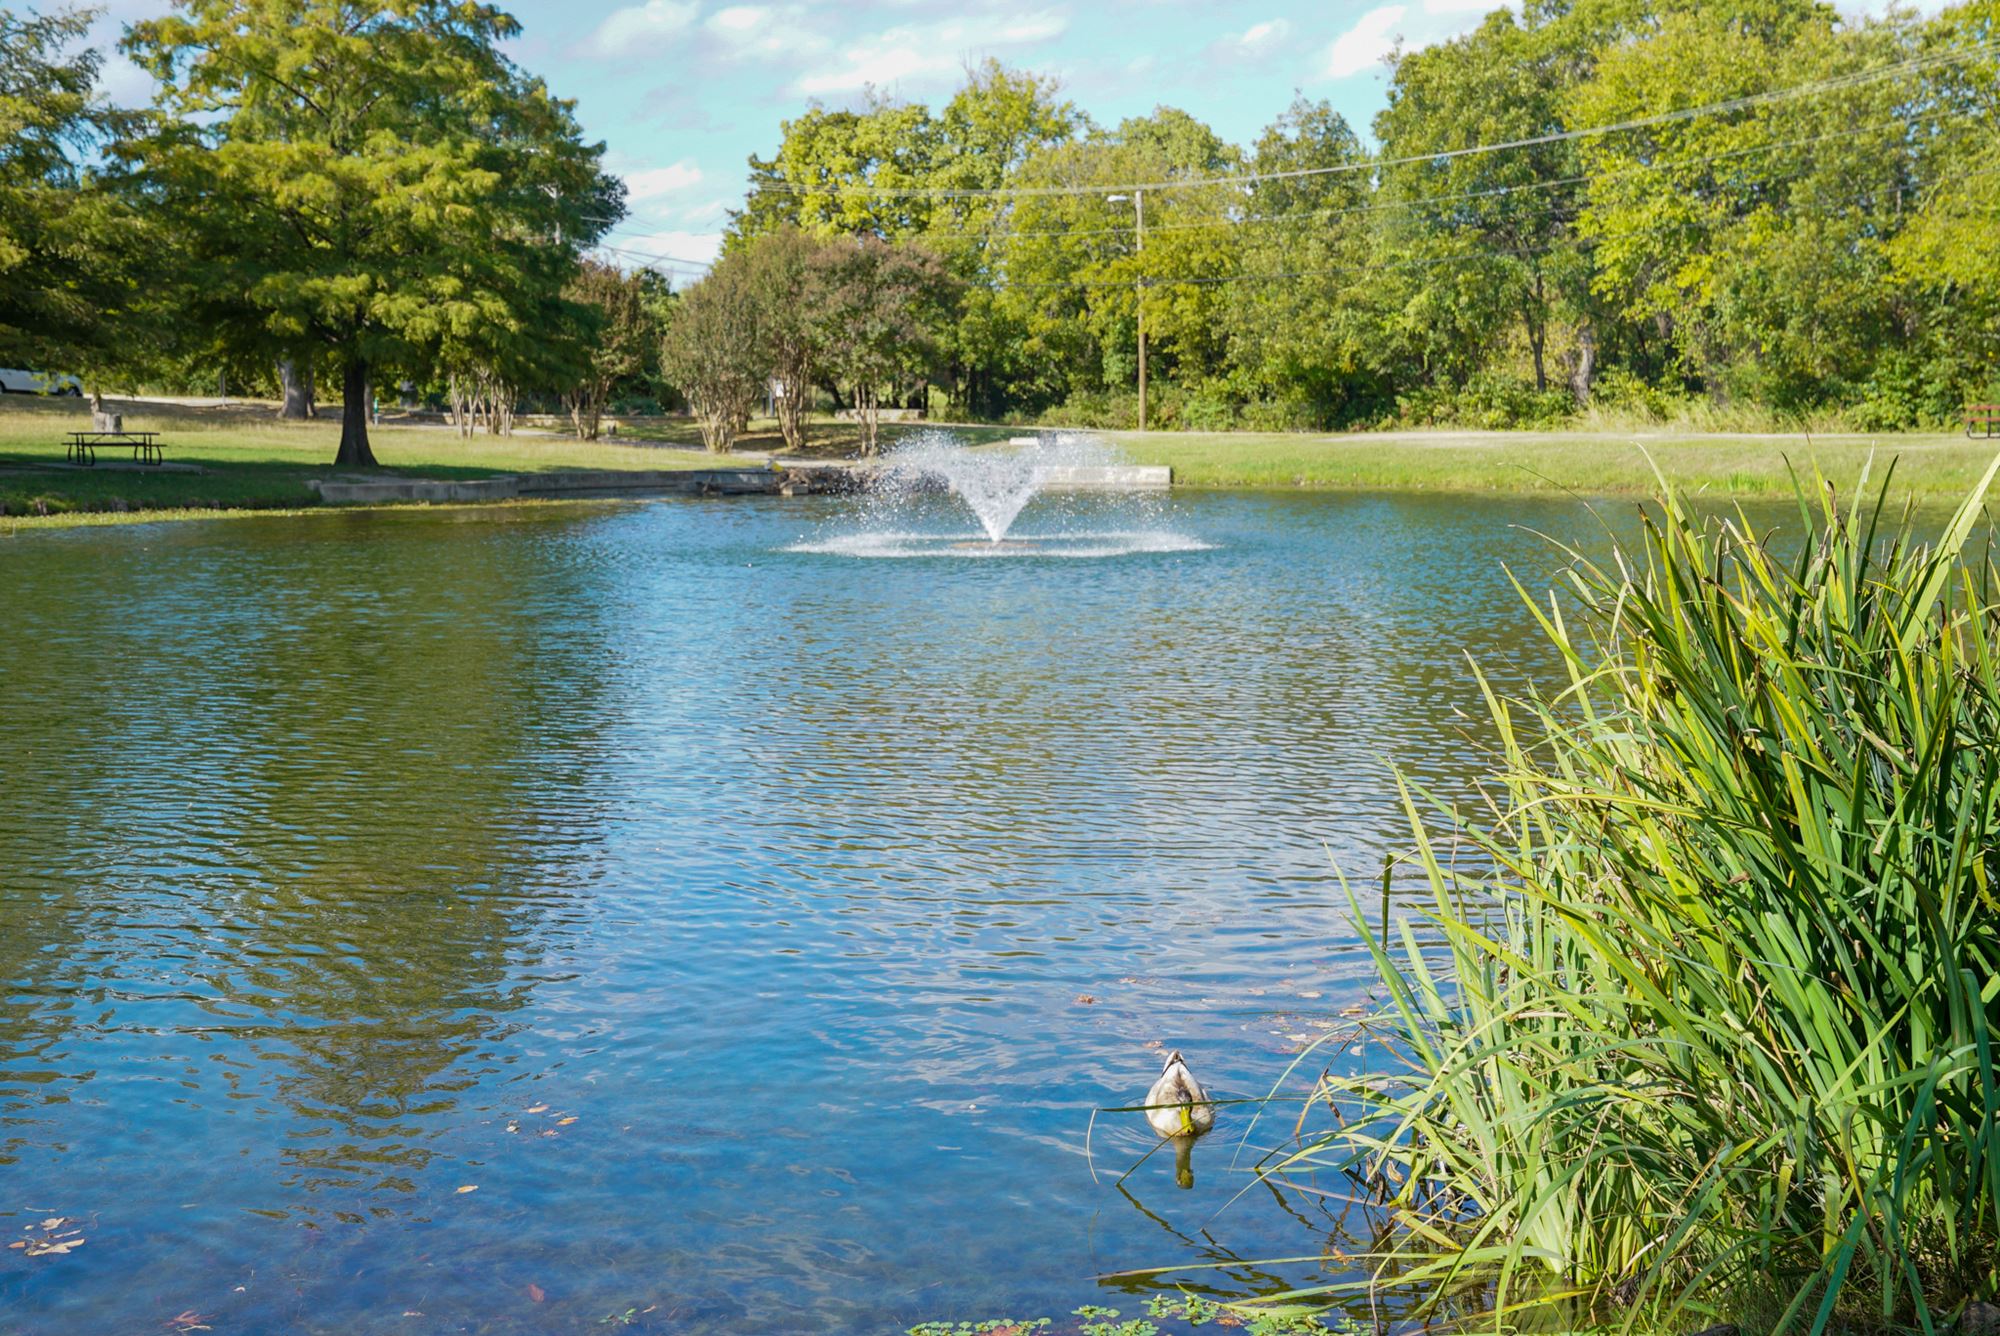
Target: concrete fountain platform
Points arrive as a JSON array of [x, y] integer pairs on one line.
[[1107, 478]]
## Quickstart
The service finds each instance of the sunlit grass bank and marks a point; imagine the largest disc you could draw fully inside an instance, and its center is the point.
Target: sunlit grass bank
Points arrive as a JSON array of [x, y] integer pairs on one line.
[[1589, 463], [251, 460], [1712, 1030]]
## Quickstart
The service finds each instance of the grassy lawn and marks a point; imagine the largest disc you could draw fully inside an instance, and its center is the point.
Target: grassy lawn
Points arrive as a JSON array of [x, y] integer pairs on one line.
[[1583, 462], [253, 461], [250, 460]]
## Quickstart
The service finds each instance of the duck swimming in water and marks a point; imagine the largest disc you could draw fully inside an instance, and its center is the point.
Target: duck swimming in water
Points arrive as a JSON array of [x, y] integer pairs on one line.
[[1177, 1105]]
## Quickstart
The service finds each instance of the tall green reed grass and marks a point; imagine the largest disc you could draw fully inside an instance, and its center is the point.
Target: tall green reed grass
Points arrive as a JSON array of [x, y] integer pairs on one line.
[[1711, 1030]]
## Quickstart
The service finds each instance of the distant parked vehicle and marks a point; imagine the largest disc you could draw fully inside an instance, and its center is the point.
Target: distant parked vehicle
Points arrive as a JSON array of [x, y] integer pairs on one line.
[[38, 382]]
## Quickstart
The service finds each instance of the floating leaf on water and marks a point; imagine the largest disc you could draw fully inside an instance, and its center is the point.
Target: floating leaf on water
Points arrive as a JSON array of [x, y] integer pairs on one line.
[[513, 1127], [1085, 1000], [53, 1223], [469, 1187], [536, 1292], [56, 1247], [539, 1108], [565, 1122]]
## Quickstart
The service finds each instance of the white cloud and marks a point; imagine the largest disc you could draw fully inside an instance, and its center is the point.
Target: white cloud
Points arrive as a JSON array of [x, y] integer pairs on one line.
[[637, 28], [1372, 37], [1261, 37], [1477, 8], [880, 68], [653, 182], [123, 83], [1250, 46], [713, 211], [737, 18], [928, 52], [676, 252], [785, 35]]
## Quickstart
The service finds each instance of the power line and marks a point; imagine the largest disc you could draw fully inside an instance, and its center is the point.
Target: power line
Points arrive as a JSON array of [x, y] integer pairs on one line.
[[1431, 200], [1811, 88], [1663, 165], [699, 265], [1216, 280]]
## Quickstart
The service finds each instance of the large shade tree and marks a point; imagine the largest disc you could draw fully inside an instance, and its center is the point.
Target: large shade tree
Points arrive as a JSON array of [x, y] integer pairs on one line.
[[371, 180]]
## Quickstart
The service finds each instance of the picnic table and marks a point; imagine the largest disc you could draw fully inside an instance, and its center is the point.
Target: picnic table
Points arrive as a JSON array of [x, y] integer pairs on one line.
[[83, 446], [1982, 420]]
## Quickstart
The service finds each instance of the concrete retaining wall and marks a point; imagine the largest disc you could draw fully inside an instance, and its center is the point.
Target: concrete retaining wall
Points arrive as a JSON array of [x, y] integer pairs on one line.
[[555, 486], [790, 480]]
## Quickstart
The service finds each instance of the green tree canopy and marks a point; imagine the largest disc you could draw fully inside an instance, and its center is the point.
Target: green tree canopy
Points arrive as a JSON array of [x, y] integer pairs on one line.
[[70, 256], [370, 178]]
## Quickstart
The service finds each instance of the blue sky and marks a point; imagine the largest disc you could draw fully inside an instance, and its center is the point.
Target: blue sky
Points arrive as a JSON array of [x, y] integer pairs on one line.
[[682, 91]]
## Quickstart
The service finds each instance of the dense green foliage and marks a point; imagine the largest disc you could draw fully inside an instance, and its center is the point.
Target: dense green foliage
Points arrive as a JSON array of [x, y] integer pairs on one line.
[[67, 247], [366, 189], [714, 352], [1713, 1022], [791, 312], [1791, 221], [619, 344], [375, 182]]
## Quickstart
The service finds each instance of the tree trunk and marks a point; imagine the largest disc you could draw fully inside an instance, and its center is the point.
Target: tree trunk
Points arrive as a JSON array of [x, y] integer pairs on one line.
[[869, 405], [1586, 364], [794, 384], [296, 378], [354, 452], [1535, 314]]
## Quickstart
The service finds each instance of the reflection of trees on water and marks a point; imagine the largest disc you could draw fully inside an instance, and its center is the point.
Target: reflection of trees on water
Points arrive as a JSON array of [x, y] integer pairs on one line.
[[38, 932], [323, 845]]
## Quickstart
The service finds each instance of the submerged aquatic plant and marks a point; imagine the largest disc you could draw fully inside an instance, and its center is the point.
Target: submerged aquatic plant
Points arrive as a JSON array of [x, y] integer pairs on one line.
[[1711, 1028]]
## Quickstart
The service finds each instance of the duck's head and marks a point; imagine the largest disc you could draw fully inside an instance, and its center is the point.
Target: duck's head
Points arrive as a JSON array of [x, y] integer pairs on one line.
[[1173, 1056]]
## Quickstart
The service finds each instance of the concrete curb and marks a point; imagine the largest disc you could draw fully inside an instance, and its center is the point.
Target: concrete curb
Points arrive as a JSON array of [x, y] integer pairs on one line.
[[602, 483]]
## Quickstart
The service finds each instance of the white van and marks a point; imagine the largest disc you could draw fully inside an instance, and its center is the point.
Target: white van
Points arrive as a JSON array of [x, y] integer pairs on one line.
[[36, 382]]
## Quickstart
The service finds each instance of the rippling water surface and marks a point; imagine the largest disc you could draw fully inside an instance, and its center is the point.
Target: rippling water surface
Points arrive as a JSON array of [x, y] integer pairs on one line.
[[754, 927]]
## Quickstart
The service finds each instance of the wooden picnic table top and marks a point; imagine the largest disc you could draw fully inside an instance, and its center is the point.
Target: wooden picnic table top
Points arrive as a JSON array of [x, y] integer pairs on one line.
[[114, 435]]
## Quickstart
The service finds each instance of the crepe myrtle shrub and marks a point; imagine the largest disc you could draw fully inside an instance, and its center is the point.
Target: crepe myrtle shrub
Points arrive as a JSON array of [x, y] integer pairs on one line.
[[713, 351]]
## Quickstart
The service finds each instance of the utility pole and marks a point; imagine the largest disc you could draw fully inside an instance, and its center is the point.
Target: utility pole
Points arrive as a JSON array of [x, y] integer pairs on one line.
[[1138, 198], [1139, 203]]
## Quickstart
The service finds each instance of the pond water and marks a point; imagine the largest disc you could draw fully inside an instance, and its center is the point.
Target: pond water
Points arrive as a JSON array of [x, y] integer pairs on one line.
[[753, 927]]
